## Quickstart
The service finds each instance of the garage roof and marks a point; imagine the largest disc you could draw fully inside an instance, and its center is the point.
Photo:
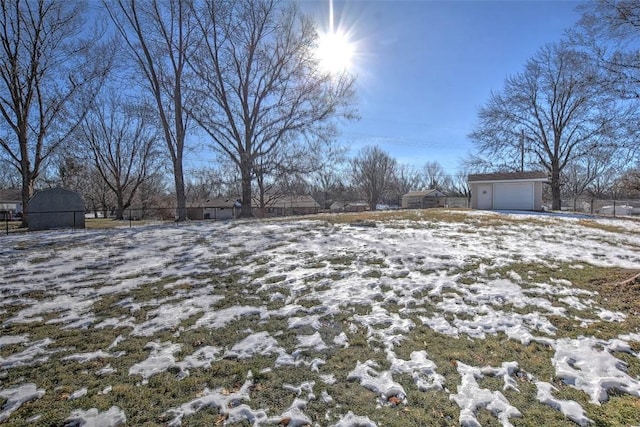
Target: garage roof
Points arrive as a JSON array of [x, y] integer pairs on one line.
[[509, 176]]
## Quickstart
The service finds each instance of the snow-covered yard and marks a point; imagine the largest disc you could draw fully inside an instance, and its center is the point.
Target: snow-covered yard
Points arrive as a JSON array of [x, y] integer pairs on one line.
[[460, 318]]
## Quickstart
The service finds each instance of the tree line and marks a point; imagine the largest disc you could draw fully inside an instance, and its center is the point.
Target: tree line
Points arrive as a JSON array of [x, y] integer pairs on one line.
[[108, 99], [115, 90]]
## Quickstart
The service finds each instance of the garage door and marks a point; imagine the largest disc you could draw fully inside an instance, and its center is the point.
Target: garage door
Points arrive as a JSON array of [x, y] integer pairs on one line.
[[515, 196]]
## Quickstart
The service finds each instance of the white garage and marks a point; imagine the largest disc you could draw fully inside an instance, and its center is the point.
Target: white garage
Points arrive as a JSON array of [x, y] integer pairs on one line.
[[507, 191]]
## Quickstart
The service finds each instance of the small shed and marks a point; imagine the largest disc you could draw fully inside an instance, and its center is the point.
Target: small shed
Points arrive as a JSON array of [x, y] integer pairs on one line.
[[507, 191], [219, 208], [423, 199], [56, 208], [222, 208]]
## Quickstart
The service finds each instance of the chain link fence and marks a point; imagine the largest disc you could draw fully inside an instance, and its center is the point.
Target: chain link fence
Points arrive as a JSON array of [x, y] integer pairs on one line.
[[607, 207]]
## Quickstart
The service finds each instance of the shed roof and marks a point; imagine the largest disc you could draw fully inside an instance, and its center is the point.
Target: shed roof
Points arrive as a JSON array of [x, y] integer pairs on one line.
[[509, 176], [423, 193], [10, 195]]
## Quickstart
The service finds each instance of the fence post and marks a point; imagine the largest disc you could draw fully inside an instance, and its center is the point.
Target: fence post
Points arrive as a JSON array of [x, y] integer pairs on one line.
[[614, 208]]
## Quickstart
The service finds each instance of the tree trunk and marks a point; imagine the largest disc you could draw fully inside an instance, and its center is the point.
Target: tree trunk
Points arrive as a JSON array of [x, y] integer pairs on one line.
[[556, 194], [119, 207], [27, 192], [373, 202], [245, 209], [27, 180], [181, 197]]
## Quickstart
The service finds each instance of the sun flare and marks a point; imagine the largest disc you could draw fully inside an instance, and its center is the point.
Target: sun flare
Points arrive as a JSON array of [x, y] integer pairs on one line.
[[335, 52]]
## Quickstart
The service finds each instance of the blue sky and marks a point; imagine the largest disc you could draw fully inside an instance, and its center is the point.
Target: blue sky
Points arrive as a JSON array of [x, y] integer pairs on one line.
[[425, 67]]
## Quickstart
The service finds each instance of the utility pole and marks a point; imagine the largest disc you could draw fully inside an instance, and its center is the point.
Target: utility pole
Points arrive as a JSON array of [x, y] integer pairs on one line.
[[521, 150]]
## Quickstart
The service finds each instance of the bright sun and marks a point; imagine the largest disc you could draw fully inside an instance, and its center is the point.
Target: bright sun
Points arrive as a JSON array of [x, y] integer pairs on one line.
[[335, 52]]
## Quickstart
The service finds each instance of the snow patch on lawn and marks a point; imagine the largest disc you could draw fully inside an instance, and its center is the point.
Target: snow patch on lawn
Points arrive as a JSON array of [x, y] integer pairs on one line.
[[113, 417], [471, 397], [569, 408], [229, 404], [381, 383], [34, 354], [16, 396], [589, 365]]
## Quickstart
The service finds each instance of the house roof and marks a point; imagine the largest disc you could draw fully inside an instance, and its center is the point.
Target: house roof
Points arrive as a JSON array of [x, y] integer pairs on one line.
[[220, 202], [424, 193], [345, 203], [301, 201], [10, 195], [509, 176]]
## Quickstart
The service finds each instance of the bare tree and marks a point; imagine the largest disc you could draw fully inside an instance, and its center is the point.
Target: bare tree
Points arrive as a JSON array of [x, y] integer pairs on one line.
[[631, 182], [283, 170], [121, 145], [260, 83], [407, 178], [556, 102], [152, 197], [460, 186], [98, 196], [373, 172], [582, 174], [8, 176], [609, 29], [51, 67], [159, 35], [204, 183], [435, 177], [327, 177]]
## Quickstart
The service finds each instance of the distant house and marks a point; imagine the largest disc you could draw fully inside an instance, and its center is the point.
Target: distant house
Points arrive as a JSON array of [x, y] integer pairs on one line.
[[10, 203], [507, 191], [347, 206], [289, 205], [220, 208], [423, 199]]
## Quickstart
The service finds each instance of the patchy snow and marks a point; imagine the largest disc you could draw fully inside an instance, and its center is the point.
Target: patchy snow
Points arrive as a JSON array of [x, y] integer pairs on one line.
[[381, 383], [420, 368], [35, 353], [13, 339], [569, 408], [312, 341], [589, 365], [78, 394], [229, 404], [351, 420], [168, 316], [160, 359], [16, 396], [260, 343], [471, 397], [113, 417], [86, 357], [328, 285]]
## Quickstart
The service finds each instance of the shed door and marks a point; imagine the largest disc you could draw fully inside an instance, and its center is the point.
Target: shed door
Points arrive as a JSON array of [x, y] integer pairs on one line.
[[513, 195], [485, 196]]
